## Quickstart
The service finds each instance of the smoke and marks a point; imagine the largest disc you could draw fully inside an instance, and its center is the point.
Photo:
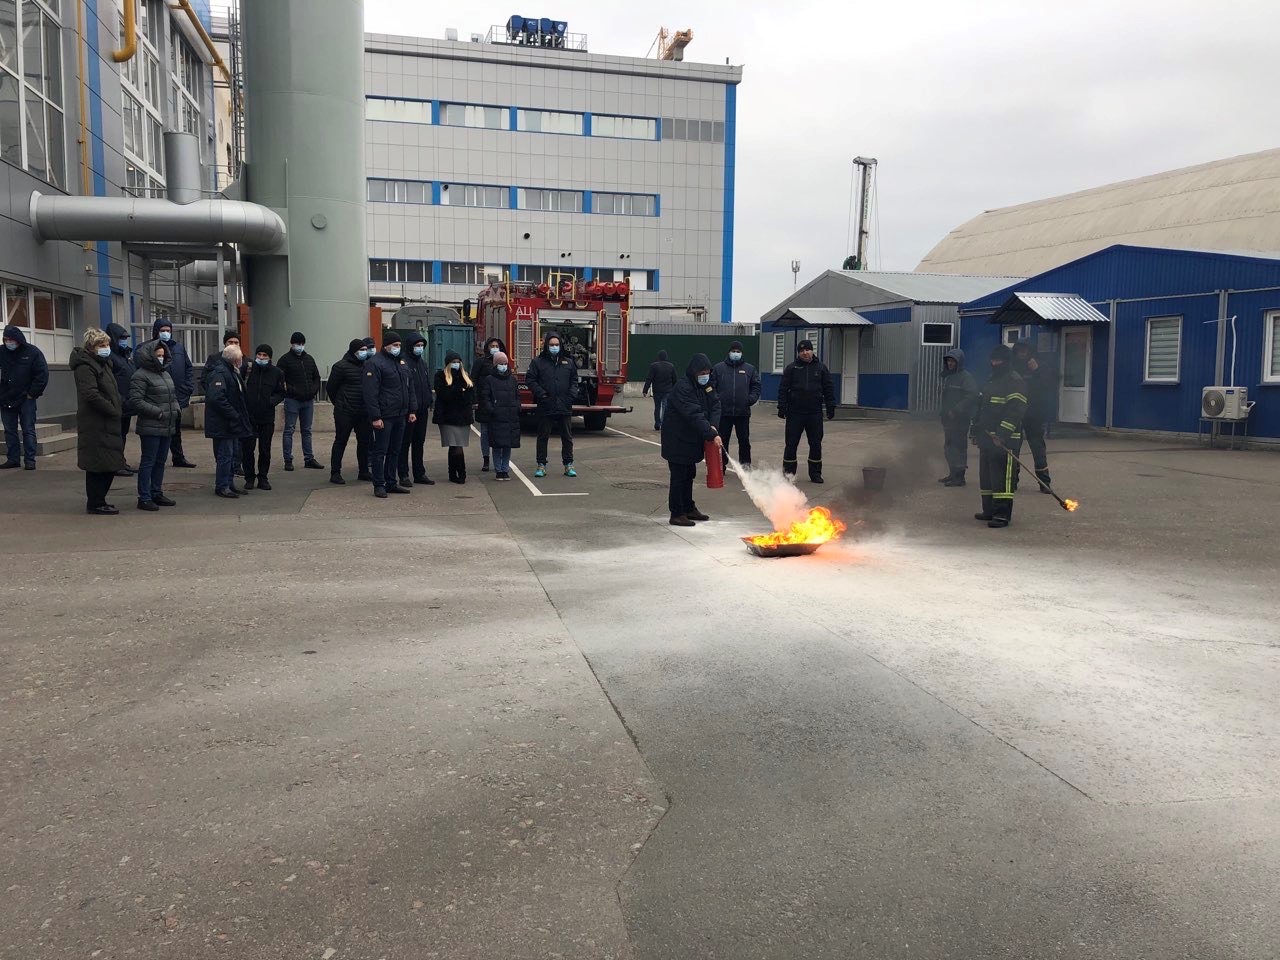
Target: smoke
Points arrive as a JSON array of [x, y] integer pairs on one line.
[[773, 493]]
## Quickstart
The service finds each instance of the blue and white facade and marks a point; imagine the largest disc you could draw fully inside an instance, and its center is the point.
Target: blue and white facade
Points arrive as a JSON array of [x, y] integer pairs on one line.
[[1165, 324], [488, 158]]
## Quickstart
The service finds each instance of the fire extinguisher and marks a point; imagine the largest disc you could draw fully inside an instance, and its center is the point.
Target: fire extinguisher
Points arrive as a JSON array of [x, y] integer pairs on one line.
[[715, 466]]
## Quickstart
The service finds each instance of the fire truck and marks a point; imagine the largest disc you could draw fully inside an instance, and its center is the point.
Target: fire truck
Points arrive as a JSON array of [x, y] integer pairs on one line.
[[591, 319]]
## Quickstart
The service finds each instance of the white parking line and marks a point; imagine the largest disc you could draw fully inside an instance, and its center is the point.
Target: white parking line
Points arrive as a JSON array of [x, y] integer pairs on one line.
[[624, 433], [530, 484]]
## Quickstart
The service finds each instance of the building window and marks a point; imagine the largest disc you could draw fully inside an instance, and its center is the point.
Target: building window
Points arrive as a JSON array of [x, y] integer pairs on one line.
[[558, 201], [399, 191], [625, 204], [471, 195], [1164, 349], [400, 271], [473, 115], [186, 78], [543, 274], [937, 334], [391, 110], [699, 131], [45, 318], [1011, 335], [638, 279], [547, 121], [628, 128], [141, 96], [469, 274], [1271, 347], [32, 126]]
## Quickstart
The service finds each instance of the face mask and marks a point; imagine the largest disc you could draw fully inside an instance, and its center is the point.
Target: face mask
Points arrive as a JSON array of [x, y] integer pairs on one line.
[[10, 345], [553, 349], [455, 366], [124, 344], [103, 352], [493, 351], [502, 368], [362, 354], [160, 361], [394, 351], [166, 336], [260, 362], [417, 351], [735, 356], [298, 348], [704, 379]]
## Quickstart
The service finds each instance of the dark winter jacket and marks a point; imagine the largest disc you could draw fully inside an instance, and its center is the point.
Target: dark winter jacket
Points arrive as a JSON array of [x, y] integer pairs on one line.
[[500, 401], [345, 388], [301, 375], [456, 401], [263, 392], [121, 363], [226, 416], [179, 365], [959, 390], [738, 387], [806, 388], [23, 372], [1042, 387], [152, 395], [388, 389], [662, 376], [480, 371], [1000, 409], [692, 414], [214, 360], [419, 373], [553, 381], [99, 445]]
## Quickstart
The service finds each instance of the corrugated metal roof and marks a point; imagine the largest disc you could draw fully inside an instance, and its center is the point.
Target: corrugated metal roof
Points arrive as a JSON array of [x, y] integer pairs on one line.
[[1047, 308], [930, 287], [1228, 205], [822, 317]]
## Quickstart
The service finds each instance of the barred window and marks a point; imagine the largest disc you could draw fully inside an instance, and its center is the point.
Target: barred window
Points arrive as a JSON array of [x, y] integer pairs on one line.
[[1164, 349]]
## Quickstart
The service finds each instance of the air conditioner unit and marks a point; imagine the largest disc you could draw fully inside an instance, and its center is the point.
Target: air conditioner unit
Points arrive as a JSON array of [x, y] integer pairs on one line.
[[1224, 403]]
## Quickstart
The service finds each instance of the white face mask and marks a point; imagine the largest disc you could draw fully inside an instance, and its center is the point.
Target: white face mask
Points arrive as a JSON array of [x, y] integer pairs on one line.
[[298, 348], [104, 352], [493, 351], [166, 336], [502, 368]]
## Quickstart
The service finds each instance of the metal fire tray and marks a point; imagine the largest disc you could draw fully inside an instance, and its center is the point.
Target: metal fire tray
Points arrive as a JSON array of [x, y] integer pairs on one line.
[[782, 549]]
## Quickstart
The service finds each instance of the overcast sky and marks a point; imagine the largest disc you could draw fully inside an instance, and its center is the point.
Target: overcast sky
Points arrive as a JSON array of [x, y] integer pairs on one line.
[[968, 105]]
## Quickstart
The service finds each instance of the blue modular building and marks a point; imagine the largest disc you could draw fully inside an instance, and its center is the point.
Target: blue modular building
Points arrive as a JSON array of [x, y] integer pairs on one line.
[[1138, 333]]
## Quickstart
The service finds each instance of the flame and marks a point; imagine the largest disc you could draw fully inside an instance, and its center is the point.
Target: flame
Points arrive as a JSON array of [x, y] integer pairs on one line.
[[1070, 505], [818, 527]]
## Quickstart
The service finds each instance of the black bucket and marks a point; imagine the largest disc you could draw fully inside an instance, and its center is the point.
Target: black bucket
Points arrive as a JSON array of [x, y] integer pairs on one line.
[[873, 477]]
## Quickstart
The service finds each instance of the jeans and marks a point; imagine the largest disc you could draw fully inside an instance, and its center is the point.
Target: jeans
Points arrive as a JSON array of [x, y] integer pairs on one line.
[[415, 437], [22, 416], [561, 424], [386, 451], [803, 426], [155, 451], [295, 410], [659, 410], [501, 459], [344, 424], [484, 440], [955, 444], [743, 425], [224, 456], [96, 488], [680, 493], [260, 444]]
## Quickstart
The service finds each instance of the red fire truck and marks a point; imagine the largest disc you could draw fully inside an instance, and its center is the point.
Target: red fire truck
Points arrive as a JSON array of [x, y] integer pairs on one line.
[[589, 317]]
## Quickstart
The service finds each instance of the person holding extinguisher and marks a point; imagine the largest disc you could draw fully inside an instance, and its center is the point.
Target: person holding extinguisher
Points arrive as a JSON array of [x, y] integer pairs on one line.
[[693, 410]]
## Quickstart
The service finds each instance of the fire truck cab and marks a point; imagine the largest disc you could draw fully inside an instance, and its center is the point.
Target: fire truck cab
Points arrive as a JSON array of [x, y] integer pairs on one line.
[[589, 317]]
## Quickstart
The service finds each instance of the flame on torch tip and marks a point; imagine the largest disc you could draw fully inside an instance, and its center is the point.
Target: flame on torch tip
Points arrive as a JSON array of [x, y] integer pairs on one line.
[[818, 527], [1070, 505]]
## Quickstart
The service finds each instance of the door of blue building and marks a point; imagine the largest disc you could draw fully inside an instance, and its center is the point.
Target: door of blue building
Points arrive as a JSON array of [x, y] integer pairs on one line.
[[1073, 400]]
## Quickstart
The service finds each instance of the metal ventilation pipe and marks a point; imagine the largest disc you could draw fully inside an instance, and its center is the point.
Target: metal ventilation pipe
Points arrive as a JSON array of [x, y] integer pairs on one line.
[[182, 167], [204, 273], [134, 220]]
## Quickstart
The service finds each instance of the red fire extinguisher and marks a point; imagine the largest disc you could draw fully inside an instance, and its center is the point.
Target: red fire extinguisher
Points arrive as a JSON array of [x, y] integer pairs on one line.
[[715, 466]]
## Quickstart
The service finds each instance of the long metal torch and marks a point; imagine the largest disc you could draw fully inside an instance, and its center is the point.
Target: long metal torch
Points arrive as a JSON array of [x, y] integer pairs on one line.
[[1068, 504]]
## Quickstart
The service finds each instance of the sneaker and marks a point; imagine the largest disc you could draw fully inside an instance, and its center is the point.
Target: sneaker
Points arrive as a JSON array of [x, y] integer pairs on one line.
[[148, 506], [541, 471], [161, 500], [288, 466], [681, 521], [313, 465], [227, 494], [263, 485], [569, 471], [337, 478], [380, 492]]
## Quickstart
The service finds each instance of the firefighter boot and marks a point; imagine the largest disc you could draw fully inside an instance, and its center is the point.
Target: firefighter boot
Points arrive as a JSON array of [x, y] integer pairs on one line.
[[987, 512], [789, 467], [1002, 515], [815, 471]]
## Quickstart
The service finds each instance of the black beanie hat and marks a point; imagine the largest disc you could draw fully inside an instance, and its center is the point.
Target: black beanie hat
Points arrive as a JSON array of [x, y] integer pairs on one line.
[[230, 335], [1001, 352], [297, 338], [354, 345], [389, 337], [367, 342], [804, 345], [736, 345], [264, 348]]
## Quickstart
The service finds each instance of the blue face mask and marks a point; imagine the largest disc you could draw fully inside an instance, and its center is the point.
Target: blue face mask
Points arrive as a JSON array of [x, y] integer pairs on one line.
[[417, 351], [735, 355], [11, 345], [124, 344], [298, 348], [362, 354], [455, 366], [502, 368], [166, 336], [492, 351], [704, 379], [260, 362], [103, 352], [394, 351], [553, 349]]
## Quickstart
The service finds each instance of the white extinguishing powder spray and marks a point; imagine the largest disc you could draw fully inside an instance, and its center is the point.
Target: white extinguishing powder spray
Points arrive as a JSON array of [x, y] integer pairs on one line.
[[773, 493]]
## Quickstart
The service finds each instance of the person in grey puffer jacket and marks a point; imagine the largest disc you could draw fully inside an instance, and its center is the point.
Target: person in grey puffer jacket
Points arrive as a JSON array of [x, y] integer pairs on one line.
[[154, 399], [958, 406]]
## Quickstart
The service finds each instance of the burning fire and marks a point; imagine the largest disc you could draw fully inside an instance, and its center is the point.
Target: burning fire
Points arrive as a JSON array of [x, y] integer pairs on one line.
[[1070, 505], [818, 527]]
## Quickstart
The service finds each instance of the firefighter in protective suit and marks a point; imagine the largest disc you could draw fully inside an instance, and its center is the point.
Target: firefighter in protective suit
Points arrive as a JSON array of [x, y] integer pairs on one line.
[[997, 430]]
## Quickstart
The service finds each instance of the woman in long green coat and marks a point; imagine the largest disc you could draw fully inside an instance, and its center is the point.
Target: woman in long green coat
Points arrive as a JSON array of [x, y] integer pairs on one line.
[[99, 444]]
